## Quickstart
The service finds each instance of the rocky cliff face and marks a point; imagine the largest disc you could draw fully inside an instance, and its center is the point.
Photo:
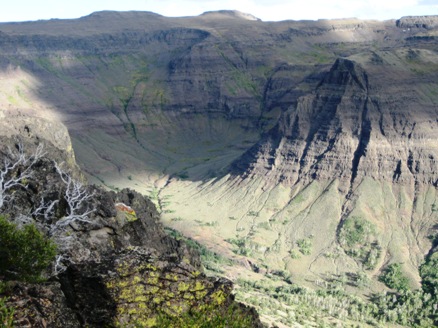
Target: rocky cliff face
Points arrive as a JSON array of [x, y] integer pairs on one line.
[[115, 265], [348, 129], [425, 22]]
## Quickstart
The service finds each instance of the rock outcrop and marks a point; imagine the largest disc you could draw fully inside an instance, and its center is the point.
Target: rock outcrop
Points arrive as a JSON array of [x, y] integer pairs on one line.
[[348, 129], [115, 264], [425, 22]]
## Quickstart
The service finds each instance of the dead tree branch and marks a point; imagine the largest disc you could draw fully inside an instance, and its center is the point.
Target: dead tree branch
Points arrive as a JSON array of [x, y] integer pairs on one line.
[[76, 197], [17, 168]]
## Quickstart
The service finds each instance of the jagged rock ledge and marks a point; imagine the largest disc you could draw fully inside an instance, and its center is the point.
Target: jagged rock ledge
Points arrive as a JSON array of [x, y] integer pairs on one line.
[[115, 266]]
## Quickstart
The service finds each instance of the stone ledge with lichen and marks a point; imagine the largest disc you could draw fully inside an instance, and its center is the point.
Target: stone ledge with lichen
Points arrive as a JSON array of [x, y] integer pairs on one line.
[[120, 267], [139, 287]]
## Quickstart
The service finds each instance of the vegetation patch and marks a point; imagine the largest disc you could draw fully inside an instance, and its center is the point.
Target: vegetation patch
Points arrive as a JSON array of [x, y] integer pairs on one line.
[[24, 253], [429, 274], [207, 317], [305, 246], [394, 278], [241, 246], [294, 254], [6, 314], [331, 306], [358, 238], [245, 246]]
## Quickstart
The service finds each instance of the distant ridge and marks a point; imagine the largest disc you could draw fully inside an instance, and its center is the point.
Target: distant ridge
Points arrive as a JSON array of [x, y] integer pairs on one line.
[[427, 22], [232, 14], [114, 13]]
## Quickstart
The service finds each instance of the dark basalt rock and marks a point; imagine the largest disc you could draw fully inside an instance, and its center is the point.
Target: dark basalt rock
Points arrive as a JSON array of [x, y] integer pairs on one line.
[[40, 306], [117, 268]]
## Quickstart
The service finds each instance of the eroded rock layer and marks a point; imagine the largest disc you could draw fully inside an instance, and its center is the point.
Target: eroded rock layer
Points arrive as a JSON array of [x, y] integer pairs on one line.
[[355, 124]]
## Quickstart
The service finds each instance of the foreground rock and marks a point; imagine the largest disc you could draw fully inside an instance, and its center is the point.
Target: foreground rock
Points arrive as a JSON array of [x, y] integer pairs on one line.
[[115, 266]]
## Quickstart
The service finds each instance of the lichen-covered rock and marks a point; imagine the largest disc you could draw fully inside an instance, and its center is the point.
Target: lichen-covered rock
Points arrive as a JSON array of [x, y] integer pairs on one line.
[[134, 288], [115, 265]]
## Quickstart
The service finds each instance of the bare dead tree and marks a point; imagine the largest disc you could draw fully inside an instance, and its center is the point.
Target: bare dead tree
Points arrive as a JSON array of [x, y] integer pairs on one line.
[[76, 197], [46, 209], [17, 168], [61, 264]]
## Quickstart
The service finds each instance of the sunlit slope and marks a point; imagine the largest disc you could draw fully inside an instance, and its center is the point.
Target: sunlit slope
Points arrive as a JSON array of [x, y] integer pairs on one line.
[[302, 229], [344, 183]]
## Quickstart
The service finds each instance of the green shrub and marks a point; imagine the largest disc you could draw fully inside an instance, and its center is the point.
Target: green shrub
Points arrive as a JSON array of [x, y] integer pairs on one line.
[[355, 231], [294, 254], [358, 238], [24, 253], [305, 246], [429, 274], [361, 279], [393, 277], [207, 317], [6, 315]]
